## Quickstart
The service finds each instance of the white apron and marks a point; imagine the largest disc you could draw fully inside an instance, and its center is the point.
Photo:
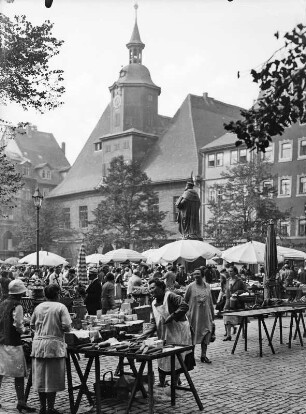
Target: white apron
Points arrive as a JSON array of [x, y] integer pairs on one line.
[[173, 332]]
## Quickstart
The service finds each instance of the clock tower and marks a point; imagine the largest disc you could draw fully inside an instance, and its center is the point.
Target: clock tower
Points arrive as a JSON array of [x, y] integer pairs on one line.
[[133, 108], [134, 97]]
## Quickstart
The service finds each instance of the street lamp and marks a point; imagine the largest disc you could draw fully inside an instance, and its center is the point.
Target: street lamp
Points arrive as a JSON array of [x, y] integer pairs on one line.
[[37, 199]]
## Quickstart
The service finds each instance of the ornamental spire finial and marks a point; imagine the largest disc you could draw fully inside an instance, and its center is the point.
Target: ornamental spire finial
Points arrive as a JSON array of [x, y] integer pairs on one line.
[[136, 7]]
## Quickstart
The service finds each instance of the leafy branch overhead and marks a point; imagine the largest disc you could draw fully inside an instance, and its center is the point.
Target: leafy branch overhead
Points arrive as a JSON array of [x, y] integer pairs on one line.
[[282, 98], [26, 76]]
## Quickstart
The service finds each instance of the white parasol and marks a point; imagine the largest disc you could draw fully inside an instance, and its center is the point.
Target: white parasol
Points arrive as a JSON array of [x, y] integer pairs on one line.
[[95, 258], [45, 259], [122, 255], [252, 252], [188, 250]]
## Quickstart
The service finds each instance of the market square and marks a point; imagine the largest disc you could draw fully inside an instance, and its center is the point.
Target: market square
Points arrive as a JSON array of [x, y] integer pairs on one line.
[[153, 241]]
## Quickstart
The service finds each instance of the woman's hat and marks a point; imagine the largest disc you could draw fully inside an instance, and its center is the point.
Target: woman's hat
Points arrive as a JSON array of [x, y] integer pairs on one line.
[[16, 287]]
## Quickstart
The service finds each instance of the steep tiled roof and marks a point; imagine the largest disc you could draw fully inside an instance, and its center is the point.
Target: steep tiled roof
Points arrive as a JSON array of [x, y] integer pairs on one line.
[[41, 147], [227, 139], [37, 167], [198, 121], [174, 156], [86, 172]]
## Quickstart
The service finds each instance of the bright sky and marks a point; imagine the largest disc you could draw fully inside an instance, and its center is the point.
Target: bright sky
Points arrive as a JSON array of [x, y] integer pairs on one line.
[[192, 46]]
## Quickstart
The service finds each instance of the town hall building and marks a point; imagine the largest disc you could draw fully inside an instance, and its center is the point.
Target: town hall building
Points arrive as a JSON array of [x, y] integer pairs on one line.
[[168, 148]]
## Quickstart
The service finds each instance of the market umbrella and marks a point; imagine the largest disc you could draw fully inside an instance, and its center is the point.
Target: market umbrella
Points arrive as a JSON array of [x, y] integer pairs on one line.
[[95, 258], [45, 259], [252, 252], [12, 260], [150, 255], [188, 250], [293, 254], [81, 269], [122, 255], [270, 259]]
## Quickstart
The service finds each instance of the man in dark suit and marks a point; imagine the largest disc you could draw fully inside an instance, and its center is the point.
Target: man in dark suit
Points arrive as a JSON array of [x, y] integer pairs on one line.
[[93, 292]]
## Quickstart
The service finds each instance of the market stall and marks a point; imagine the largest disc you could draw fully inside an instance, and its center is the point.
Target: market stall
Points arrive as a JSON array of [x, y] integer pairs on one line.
[[145, 359], [296, 317]]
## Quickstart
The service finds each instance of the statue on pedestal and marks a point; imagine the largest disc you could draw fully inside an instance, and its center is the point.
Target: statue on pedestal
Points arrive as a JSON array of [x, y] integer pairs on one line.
[[188, 217]]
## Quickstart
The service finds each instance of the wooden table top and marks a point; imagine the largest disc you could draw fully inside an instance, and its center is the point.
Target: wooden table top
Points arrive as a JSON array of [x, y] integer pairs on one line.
[[263, 311]]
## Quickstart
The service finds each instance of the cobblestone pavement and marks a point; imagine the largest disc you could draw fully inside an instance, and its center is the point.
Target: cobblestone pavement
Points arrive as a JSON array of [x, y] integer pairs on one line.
[[243, 383]]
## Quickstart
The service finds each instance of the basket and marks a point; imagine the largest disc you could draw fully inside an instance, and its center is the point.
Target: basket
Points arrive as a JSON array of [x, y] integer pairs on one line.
[[107, 386]]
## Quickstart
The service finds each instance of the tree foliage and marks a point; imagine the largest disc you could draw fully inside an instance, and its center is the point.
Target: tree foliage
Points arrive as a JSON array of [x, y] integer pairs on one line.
[[282, 99], [51, 226], [243, 206], [128, 214], [26, 77], [10, 183]]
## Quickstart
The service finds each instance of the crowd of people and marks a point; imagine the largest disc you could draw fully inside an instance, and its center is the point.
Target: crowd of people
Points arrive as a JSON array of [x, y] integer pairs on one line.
[[182, 312]]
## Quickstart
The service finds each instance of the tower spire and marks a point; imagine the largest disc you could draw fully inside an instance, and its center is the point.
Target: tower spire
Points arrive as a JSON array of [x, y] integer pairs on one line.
[[136, 7], [135, 44]]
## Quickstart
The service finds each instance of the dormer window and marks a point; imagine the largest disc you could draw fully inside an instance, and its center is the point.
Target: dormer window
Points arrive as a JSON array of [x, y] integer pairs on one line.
[[46, 174], [26, 170]]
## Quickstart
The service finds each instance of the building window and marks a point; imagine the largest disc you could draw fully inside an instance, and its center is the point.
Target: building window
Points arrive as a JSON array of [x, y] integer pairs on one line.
[[302, 227], [108, 148], [284, 187], [284, 228], [105, 168], [83, 217], [243, 155], [302, 148], [174, 208], [301, 180], [117, 146], [211, 160], [149, 119], [26, 171], [66, 215], [219, 159], [267, 188], [234, 157], [98, 146], [268, 155], [150, 98], [7, 241], [117, 119], [27, 194], [46, 174], [285, 151], [126, 145], [211, 194]]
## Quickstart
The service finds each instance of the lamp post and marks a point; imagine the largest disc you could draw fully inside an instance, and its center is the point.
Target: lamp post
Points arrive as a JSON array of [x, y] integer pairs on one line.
[[37, 199]]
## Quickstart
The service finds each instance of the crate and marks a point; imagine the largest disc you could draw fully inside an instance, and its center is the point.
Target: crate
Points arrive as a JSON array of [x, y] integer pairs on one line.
[[143, 312]]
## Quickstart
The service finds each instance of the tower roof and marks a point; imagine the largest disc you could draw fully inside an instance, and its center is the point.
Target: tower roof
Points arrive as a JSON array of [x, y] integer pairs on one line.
[[135, 38], [135, 44]]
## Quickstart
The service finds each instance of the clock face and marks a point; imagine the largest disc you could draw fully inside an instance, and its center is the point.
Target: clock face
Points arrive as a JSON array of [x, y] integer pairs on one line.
[[117, 101]]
